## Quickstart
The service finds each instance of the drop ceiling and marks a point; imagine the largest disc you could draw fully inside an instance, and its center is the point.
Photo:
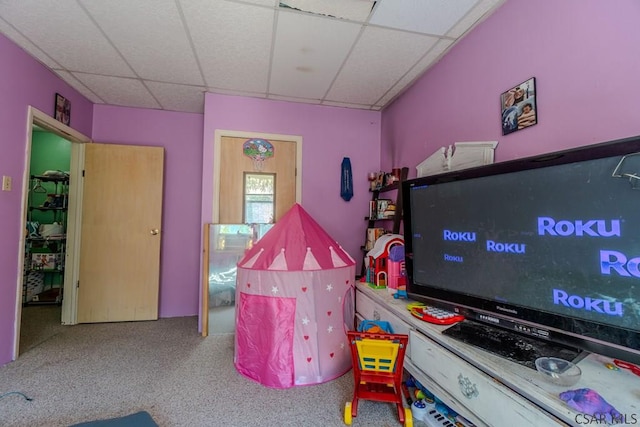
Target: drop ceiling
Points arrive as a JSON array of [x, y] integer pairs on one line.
[[165, 54]]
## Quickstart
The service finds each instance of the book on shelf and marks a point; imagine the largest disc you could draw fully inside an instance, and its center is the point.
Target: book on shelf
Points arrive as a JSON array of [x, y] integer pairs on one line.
[[381, 207], [390, 211], [373, 234]]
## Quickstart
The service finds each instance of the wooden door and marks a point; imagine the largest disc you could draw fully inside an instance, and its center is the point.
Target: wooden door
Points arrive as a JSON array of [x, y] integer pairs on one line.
[[121, 233], [234, 164], [231, 169]]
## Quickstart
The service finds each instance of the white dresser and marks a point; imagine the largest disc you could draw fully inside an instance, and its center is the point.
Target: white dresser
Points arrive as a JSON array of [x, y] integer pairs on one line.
[[485, 388]]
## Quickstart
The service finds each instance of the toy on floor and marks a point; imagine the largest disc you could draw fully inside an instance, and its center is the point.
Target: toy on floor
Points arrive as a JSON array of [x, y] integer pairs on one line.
[[378, 360]]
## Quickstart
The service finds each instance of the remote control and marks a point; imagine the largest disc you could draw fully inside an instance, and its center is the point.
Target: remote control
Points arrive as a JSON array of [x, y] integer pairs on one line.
[[435, 315]]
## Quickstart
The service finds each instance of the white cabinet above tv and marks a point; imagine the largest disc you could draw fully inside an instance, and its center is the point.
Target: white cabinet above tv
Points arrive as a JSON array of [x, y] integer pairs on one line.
[[460, 155]]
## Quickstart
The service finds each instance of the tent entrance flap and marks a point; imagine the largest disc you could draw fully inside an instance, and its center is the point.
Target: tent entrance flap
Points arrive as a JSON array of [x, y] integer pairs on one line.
[[264, 339]]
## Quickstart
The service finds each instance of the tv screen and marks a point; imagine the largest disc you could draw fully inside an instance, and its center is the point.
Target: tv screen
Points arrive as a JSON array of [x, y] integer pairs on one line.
[[547, 246]]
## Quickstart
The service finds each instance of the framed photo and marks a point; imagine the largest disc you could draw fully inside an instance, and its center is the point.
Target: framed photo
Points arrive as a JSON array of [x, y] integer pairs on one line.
[[62, 109], [518, 107]]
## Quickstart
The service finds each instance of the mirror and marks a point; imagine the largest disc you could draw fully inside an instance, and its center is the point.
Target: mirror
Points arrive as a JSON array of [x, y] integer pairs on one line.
[[225, 246]]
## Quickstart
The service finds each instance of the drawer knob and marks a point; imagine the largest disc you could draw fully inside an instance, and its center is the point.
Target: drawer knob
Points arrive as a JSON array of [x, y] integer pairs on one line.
[[376, 315], [468, 389]]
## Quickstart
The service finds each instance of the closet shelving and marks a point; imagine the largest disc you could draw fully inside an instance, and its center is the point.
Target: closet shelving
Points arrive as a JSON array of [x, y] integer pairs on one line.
[[46, 239]]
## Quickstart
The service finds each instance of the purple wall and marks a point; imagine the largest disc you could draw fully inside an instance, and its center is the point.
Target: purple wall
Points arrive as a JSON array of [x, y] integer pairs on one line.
[[328, 135], [23, 82], [580, 51], [181, 136], [583, 54]]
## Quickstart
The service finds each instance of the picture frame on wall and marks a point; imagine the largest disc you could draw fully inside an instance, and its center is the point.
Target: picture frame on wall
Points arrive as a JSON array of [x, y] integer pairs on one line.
[[62, 109], [518, 107]]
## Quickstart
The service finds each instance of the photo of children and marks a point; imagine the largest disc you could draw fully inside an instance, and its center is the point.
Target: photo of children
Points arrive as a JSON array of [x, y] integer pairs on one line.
[[518, 106]]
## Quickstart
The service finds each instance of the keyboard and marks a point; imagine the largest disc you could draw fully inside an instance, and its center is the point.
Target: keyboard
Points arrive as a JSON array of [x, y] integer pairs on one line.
[[435, 315]]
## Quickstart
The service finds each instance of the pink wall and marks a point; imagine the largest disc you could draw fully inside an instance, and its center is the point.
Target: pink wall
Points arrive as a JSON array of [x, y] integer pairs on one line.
[[580, 51], [583, 54], [23, 82], [328, 135], [181, 136]]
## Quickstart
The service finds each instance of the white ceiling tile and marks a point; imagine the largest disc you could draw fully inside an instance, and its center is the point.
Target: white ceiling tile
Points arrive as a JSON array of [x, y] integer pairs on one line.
[[178, 97], [29, 47], [425, 63], [345, 105], [380, 58], [162, 51], [233, 42], [294, 99], [269, 3], [67, 35], [424, 16], [237, 92], [79, 86], [308, 53], [118, 90], [356, 10], [479, 12]]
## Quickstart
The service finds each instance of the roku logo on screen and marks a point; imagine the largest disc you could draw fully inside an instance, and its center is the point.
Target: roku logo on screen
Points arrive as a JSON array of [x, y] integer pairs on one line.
[[459, 236], [512, 248], [592, 227], [577, 302], [617, 261]]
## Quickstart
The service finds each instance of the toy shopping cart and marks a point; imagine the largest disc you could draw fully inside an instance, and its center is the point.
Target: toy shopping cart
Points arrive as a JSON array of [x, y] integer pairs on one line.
[[377, 368]]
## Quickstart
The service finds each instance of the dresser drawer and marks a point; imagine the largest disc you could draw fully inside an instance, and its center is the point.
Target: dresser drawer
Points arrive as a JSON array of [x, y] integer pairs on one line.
[[489, 400], [369, 310]]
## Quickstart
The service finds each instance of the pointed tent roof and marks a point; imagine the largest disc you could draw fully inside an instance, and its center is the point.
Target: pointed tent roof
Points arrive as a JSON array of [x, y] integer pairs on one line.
[[296, 242]]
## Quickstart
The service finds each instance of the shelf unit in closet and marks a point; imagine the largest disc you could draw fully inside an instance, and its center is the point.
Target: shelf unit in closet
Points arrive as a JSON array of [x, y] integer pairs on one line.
[[45, 247]]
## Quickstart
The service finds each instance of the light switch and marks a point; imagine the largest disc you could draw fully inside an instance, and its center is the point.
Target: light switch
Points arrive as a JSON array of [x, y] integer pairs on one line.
[[6, 183]]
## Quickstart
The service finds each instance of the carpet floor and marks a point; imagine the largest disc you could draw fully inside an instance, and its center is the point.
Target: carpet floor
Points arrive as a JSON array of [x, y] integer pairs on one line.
[[98, 371]]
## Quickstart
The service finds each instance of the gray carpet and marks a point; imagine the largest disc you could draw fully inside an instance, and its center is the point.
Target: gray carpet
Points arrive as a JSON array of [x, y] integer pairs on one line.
[[98, 371], [39, 323]]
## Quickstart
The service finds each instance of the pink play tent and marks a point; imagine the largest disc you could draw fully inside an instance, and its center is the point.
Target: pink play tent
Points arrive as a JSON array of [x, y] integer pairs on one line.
[[294, 300]]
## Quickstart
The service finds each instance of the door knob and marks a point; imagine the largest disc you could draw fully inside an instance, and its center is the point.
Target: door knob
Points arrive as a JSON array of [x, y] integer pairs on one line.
[[154, 232]]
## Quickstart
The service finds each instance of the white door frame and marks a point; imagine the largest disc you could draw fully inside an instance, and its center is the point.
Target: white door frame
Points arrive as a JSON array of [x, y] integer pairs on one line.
[[219, 134], [36, 117], [215, 212]]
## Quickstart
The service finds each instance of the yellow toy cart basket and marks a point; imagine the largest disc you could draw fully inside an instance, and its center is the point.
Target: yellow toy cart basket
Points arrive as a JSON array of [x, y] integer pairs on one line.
[[378, 360]]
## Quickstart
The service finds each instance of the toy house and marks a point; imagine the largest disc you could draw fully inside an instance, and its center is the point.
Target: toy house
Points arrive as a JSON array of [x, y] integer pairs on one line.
[[377, 260], [396, 272]]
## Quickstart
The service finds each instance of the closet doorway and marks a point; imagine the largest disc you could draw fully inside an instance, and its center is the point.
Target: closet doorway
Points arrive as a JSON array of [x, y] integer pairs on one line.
[[50, 223], [100, 193]]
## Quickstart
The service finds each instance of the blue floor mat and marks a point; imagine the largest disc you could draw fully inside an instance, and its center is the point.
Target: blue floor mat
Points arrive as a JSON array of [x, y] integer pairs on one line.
[[139, 419]]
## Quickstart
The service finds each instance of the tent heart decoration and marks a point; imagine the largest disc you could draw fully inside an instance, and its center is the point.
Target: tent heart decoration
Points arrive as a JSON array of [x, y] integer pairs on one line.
[[289, 338]]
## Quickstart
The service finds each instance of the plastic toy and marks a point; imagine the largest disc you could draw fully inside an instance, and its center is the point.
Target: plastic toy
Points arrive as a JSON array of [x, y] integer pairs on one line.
[[378, 360], [588, 401], [401, 293], [377, 271]]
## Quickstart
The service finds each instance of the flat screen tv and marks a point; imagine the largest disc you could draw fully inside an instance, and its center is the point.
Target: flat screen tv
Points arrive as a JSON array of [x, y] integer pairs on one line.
[[545, 246]]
